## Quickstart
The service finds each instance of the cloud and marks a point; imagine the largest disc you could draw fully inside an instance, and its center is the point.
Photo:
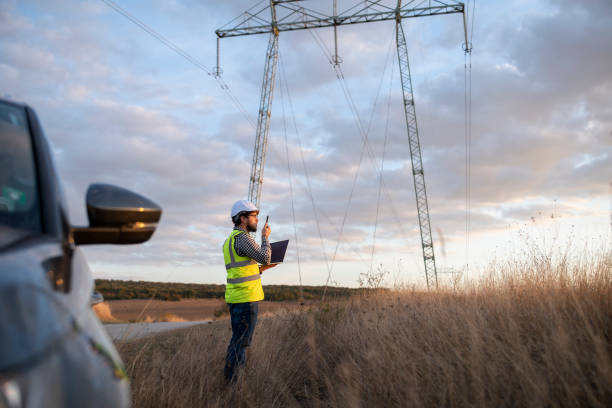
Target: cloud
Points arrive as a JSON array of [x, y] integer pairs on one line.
[[120, 107]]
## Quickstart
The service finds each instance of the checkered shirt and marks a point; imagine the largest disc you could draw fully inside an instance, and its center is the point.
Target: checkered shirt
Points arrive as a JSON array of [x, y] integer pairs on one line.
[[245, 245]]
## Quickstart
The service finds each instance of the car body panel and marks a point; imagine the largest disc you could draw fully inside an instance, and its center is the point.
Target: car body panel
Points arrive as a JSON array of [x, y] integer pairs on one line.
[[54, 352], [31, 316]]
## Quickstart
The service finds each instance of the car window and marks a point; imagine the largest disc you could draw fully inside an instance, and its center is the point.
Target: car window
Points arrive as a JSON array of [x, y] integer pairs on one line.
[[19, 201]]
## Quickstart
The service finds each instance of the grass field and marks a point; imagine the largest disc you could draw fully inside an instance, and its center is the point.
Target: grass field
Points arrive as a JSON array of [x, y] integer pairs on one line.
[[532, 334]]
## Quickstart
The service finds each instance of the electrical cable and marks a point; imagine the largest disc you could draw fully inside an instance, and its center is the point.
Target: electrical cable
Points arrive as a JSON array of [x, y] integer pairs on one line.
[[350, 198], [369, 149], [381, 169], [365, 147], [222, 84], [373, 158], [308, 190], [354, 111], [344, 85], [469, 158], [472, 20], [468, 136], [365, 133], [309, 186], [295, 235], [318, 212], [466, 147]]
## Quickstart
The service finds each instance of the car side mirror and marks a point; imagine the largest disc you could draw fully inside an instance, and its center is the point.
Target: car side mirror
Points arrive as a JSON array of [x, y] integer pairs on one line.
[[117, 216]]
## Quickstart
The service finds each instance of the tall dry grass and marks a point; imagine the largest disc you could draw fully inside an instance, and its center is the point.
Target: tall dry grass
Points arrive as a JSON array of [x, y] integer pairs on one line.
[[532, 334]]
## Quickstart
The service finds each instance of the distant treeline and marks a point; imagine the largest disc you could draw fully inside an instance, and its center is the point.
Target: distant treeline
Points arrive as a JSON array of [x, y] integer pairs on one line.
[[120, 289]]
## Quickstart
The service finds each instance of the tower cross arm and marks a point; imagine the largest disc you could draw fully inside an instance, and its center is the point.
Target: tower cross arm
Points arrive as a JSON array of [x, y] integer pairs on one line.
[[291, 16]]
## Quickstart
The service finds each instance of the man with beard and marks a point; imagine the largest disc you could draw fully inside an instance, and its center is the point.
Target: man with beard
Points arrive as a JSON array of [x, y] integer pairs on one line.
[[243, 291]]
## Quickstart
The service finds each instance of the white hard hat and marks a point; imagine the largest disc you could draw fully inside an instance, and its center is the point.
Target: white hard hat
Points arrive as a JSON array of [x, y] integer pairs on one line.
[[242, 205]]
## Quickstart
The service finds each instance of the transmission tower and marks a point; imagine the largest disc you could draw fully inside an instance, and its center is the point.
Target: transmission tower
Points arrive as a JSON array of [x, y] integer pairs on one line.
[[289, 15]]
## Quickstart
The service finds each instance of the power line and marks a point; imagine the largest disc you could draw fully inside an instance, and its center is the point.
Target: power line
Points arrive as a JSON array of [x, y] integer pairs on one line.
[[347, 94], [309, 187], [468, 136], [306, 189], [295, 235], [354, 111], [472, 20], [157, 35], [299, 18], [382, 167], [317, 212], [366, 145], [172, 46], [364, 133]]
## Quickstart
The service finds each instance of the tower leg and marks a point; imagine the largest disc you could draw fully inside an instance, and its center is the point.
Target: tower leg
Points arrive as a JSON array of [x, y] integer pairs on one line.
[[263, 121], [415, 156]]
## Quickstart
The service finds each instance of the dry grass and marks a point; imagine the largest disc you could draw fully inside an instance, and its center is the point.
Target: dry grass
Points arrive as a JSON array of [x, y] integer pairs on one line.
[[529, 335], [103, 311]]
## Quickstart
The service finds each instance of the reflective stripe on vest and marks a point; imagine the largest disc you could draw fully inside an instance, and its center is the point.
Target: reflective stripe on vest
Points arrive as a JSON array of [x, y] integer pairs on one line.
[[245, 279]]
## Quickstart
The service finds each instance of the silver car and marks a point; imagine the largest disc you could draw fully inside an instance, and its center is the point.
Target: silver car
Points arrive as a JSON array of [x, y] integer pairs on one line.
[[54, 352]]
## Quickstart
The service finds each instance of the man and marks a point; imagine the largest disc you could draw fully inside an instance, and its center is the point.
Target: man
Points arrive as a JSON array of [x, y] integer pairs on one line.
[[243, 290]]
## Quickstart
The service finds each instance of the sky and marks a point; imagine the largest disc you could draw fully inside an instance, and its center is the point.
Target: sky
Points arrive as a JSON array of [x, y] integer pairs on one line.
[[120, 107]]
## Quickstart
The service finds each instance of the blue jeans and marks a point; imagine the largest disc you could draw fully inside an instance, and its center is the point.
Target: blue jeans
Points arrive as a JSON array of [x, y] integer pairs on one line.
[[244, 318]]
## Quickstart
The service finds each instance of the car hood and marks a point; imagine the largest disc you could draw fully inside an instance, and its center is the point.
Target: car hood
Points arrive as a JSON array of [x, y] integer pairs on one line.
[[32, 319]]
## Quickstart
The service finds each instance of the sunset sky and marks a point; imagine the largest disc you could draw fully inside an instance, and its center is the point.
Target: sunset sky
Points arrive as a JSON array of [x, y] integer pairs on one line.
[[120, 107]]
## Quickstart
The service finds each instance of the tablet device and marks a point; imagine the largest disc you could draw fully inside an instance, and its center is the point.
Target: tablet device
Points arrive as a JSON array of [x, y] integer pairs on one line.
[[278, 251]]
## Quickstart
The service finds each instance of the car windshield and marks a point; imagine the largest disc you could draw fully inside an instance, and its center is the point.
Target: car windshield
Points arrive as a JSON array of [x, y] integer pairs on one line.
[[19, 203]]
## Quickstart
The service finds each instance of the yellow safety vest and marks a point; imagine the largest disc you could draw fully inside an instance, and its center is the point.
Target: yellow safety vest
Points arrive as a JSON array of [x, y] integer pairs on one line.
[[243, 277]]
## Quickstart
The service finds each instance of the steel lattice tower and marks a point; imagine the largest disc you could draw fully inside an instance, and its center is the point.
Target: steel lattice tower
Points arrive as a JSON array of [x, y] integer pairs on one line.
[[415, 155], [296, 17]]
